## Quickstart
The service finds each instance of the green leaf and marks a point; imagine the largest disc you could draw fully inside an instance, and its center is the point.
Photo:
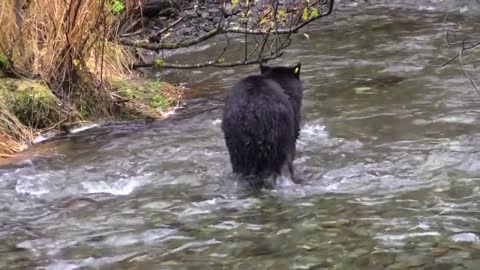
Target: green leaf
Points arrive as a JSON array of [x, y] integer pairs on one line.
[[158, 63], [314, 13], [281, 12], [305, 14], [220, 60], [234, 2], [117, 6]]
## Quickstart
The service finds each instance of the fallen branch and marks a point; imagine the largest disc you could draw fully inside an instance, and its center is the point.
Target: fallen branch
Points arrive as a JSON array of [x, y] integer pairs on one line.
[[207, 64], [157, 34], [169, 46]]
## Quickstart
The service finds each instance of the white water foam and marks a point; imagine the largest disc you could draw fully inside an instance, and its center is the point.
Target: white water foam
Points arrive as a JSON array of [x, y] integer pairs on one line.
[[87, 263], [217, 122], [30, 185], [123, 186]]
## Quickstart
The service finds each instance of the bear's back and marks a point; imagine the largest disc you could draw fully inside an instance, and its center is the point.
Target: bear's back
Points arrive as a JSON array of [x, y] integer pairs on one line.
[[255, 88]]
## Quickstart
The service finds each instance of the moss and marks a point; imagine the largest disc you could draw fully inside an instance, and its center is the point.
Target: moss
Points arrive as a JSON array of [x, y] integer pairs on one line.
[[31, 102], [146, 97], [4, 63], [28, 107], [158, 101]]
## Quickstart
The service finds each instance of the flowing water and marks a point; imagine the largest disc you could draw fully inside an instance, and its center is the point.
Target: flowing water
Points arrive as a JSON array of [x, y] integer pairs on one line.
[[389, 154]]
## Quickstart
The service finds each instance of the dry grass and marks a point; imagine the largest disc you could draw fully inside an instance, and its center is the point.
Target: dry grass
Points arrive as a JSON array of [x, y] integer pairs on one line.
[[13, 134], [64, 42]]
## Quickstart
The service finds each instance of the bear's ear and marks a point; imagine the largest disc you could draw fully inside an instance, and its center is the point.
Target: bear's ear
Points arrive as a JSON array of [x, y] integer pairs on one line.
[[296, 70], [263, 68]]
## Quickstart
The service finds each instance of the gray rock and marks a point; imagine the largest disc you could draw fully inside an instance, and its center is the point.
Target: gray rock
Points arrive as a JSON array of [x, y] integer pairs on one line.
[[214, 11], [190, 14], [205, 15]]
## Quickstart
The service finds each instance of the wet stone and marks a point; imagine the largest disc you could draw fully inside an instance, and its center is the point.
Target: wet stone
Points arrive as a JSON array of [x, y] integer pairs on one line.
[[381, 258], [411, 260], [472, 264], [191, 14], [456, 257]]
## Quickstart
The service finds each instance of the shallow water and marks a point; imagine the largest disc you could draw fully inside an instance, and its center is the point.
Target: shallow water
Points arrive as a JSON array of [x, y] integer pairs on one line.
[[389, 152]]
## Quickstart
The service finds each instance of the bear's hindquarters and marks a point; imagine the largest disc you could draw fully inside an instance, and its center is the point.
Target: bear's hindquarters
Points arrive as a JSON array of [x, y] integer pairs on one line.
[[260, 136]]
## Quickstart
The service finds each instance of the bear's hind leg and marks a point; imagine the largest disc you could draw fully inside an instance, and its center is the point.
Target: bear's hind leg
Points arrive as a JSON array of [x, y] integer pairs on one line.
[[285, 178]]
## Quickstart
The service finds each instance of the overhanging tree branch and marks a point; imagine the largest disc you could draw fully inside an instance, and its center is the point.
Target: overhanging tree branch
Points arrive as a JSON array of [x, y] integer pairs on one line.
[[221, 30]]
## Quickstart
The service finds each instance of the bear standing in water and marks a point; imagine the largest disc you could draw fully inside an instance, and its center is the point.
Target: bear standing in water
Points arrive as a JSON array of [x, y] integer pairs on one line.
[[261, 123]]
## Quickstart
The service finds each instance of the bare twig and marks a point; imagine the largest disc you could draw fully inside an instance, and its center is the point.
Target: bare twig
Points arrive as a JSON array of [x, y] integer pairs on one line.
[[219, 30], [460, 62]]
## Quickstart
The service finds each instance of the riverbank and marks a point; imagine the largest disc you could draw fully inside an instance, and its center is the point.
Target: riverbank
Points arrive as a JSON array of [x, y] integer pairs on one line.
[[30, 110], [57, 76]]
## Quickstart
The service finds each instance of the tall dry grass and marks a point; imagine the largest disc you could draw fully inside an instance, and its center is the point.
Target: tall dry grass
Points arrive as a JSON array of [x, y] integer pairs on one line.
[[62, 41], [66, 43]]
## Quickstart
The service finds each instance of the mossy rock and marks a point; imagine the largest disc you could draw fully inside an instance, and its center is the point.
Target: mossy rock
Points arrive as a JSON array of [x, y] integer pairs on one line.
[[31, 101]]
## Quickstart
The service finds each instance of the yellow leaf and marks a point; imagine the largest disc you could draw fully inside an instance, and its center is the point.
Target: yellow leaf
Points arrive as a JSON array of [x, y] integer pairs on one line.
[[264, 20], [158, 63], [305, 14], [306, 35], [281, 12], [314, 13], [234, 2]]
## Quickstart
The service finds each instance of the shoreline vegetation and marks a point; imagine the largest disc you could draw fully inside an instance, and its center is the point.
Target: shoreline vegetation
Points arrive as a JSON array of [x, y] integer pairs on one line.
[[60, 68]]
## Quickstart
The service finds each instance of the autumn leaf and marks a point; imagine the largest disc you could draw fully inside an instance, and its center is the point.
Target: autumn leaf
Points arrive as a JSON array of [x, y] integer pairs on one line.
[[264, 20], [305, 14], [314, 13], [158, 63]]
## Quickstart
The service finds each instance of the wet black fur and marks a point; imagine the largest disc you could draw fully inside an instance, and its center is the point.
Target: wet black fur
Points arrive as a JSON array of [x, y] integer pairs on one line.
[[261, 123]]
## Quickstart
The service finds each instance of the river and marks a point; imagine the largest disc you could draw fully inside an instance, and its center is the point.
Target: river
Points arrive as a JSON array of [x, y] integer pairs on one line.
[[389, 155]]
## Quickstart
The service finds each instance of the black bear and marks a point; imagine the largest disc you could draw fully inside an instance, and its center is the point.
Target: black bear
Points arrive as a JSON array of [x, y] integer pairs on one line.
[[261, 124]]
